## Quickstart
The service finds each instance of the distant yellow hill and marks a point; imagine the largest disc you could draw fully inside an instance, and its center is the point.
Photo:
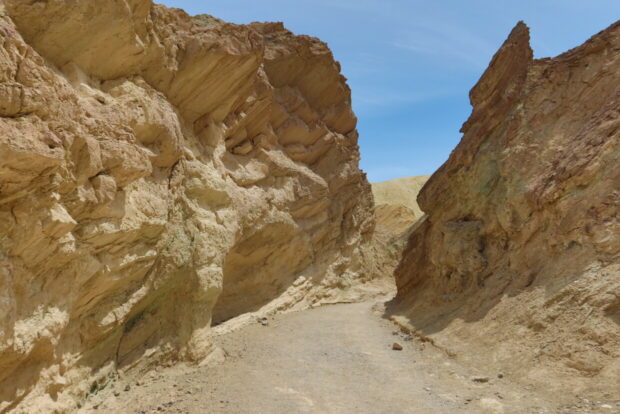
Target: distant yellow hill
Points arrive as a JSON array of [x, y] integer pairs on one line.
[[396, 212], [400, 192]]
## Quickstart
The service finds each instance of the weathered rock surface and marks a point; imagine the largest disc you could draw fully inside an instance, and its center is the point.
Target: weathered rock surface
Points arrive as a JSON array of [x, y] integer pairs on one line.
[[396, 212], [517, 264], [158, 172]]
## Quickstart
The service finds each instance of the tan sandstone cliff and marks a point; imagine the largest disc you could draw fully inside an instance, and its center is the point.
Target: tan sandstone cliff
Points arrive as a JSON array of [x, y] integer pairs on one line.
[[516, 268], [159, 172]]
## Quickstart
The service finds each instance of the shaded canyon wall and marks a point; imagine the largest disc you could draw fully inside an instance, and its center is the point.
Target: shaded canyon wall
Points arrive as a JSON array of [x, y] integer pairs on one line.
[[516, 267]]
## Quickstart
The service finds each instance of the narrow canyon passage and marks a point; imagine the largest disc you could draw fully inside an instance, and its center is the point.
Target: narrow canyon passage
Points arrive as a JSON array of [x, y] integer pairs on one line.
[[333, 359]]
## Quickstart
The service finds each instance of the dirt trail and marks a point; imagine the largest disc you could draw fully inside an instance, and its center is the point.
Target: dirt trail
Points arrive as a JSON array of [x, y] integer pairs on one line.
[[334, 359]]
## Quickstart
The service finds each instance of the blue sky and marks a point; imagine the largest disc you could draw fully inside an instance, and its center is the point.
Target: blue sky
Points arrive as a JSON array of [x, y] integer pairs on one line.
[[411, 63]]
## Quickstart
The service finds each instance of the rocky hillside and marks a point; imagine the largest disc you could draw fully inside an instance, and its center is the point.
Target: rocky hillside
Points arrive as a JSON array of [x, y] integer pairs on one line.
[[396, 211], [396, 205], [516, 268], [400, 192], [159, 173]]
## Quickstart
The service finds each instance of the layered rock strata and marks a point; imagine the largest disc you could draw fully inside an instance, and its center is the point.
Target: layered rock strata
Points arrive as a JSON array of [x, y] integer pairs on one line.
[[160, 173], [516, 267]]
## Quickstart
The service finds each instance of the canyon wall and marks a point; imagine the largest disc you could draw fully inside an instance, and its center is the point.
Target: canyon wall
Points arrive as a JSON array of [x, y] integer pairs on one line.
[[160, 173], [516, 267]]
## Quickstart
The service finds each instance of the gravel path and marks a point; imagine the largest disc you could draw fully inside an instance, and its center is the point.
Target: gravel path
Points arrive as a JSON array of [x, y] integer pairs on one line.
[[334, 359]]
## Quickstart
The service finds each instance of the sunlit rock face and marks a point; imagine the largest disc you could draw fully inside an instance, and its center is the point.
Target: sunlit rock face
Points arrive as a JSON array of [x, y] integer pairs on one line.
[[517, 265], [159, 172]]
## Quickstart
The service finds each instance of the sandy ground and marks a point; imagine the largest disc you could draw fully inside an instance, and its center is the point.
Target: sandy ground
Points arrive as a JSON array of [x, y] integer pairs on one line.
[[334, 359]]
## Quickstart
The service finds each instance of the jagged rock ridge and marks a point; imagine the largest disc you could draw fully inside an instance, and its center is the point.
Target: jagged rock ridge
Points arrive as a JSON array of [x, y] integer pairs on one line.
[[516, 267], [157, 172]]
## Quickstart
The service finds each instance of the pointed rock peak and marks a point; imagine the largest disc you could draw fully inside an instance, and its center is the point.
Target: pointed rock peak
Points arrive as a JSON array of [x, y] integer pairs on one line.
[[492, 99], [520, 28], [520, 35], [509, 63]]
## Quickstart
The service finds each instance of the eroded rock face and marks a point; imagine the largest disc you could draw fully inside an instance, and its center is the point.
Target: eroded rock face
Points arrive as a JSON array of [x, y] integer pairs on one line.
[[154, 166], [517, 265]]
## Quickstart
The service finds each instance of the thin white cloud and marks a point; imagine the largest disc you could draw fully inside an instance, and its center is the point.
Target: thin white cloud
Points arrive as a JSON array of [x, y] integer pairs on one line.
[[373, 6], [447, 41], [364, 98]]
